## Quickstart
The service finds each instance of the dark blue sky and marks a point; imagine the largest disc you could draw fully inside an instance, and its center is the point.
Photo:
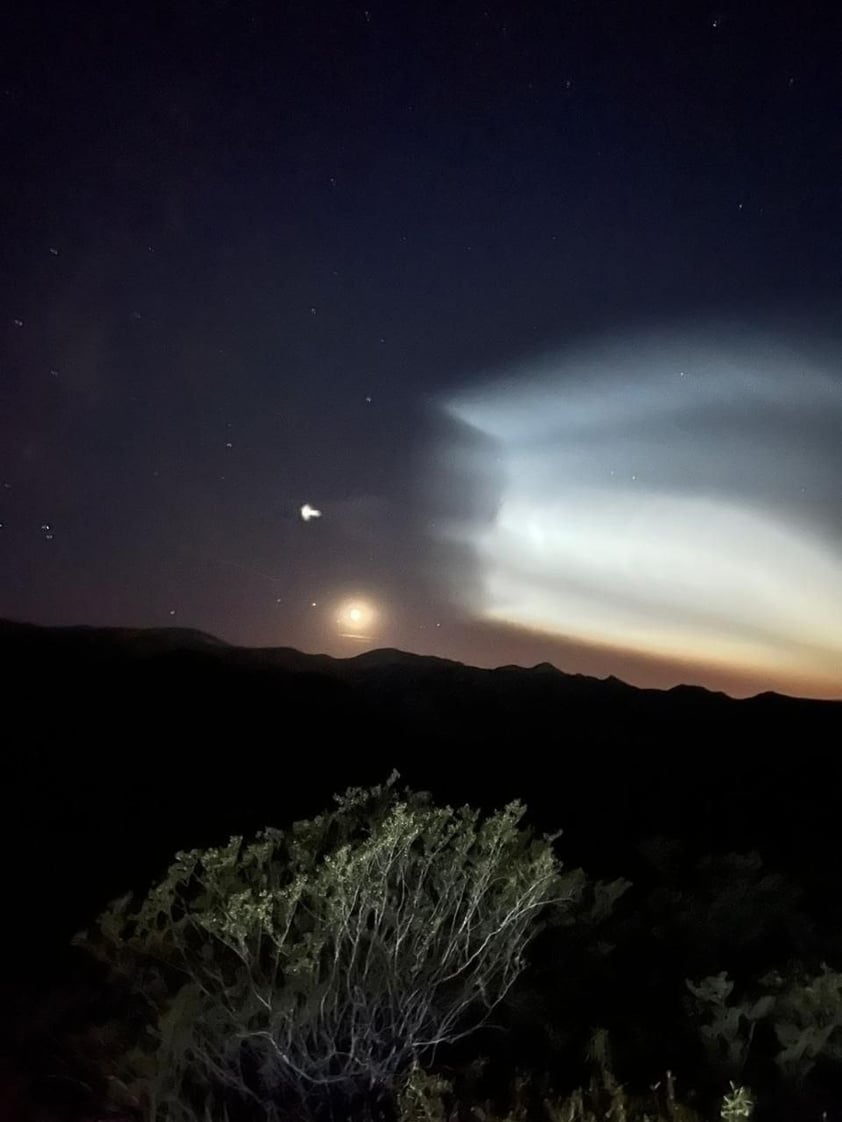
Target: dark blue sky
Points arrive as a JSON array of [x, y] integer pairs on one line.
[[252, 249]]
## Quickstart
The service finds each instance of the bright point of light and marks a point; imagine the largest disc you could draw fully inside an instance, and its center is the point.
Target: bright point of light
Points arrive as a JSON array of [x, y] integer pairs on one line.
[[654, 502], [357, 619], [307, 512]]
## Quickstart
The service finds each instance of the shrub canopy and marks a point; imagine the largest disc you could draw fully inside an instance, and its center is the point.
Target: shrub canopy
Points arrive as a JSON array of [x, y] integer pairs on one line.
[[314, 965]]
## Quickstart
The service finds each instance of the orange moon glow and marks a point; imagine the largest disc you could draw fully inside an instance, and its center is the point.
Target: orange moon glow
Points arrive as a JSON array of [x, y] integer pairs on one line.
[[357, 619]]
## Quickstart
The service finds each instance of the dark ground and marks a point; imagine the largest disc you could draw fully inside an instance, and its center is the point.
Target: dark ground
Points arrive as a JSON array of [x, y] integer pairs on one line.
[[124, 746]]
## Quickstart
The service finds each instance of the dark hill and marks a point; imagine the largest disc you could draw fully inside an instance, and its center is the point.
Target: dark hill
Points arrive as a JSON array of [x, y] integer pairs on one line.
[[124, 745]]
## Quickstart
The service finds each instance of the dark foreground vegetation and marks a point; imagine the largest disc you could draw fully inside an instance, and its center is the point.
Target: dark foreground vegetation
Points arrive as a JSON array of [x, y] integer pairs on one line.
[[675, 953]]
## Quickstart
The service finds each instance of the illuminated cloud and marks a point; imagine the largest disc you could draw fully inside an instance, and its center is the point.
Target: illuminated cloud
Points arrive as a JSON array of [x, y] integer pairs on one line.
[[671, 495]]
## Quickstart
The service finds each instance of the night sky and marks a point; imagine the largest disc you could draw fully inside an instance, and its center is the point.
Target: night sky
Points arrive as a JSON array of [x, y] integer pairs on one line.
[[537, 305]]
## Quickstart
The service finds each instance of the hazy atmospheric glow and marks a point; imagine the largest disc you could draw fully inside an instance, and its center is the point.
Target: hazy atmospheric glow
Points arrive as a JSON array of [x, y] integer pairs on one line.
[[672, 496]]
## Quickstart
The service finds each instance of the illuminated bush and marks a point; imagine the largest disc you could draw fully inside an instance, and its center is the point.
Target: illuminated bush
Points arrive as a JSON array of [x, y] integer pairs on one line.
[[310, 968], [803, 1009]]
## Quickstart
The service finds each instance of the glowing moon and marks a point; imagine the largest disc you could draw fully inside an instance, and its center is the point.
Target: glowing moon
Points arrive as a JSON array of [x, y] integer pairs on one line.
[[357, 619]]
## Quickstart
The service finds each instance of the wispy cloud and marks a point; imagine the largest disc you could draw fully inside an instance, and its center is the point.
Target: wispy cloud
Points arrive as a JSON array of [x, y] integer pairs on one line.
[[672, 494]]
